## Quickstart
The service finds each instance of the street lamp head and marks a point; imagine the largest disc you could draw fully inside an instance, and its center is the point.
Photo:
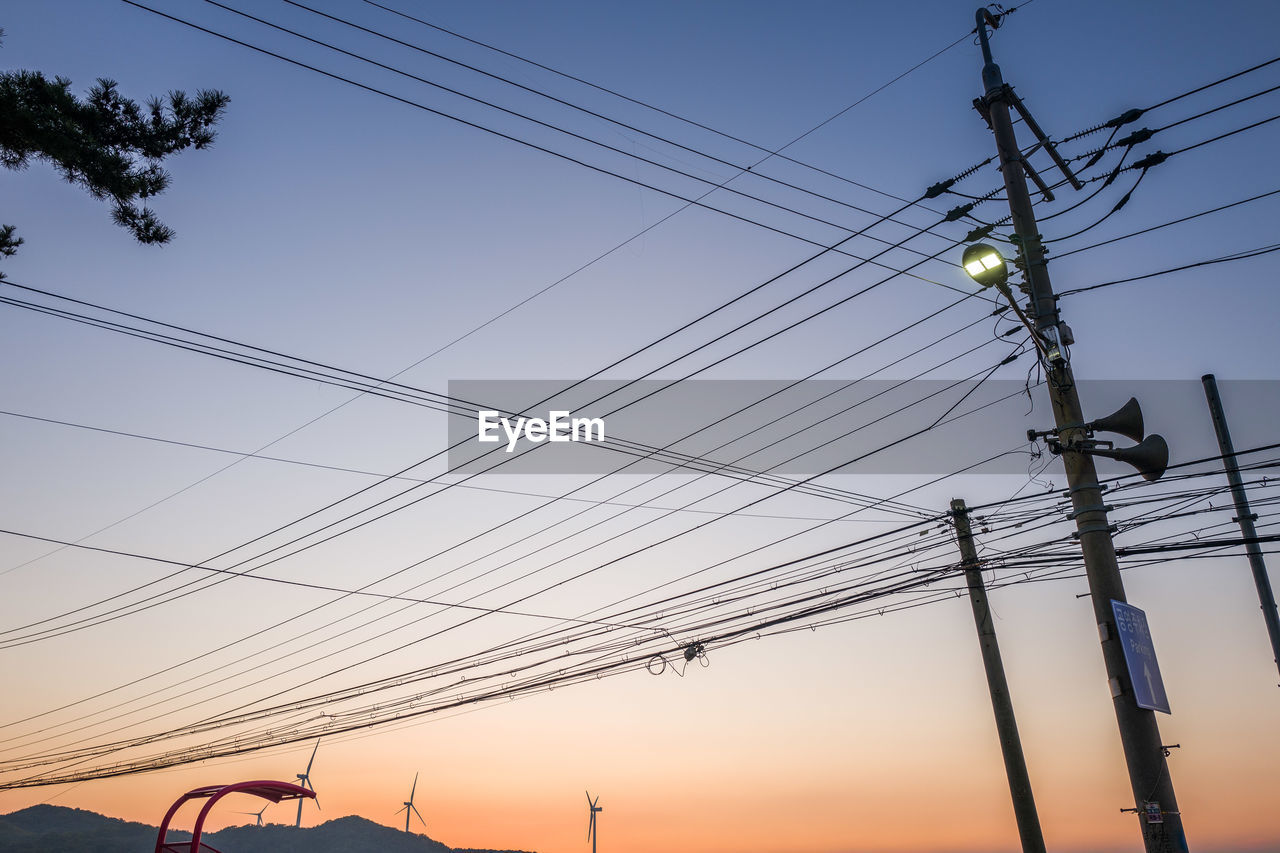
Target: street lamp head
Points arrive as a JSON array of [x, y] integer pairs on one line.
[[985, 265]]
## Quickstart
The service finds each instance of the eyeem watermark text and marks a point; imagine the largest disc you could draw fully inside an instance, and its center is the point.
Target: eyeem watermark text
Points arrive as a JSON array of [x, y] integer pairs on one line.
[[819, 426], [560, 427]]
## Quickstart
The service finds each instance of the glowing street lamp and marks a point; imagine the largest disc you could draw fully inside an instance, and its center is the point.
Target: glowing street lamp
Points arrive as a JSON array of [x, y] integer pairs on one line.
[[986, 266]]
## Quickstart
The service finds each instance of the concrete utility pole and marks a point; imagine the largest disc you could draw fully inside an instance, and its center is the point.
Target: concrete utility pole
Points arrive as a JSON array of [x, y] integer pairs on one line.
[[1015, 765], [1139, 735], [1244, 517]]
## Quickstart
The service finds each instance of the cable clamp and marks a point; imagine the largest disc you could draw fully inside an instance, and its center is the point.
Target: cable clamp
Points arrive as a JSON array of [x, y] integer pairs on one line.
[[939, 188], [1150, 160], [1138, 136], [1125, 118], [1094, 528], [1095, 508], [979, 234], [1101, 487]]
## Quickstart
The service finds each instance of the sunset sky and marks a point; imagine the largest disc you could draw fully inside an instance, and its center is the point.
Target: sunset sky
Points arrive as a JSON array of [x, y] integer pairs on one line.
[[423, 234]]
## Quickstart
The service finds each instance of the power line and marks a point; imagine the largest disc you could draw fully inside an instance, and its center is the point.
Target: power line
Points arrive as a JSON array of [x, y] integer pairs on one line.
[[726, 639], [1133, 115], [1237, 256], [741, 169], [677, 534], [812, 289], [289, 582], [768, 152], [1177, 221], [527, 143], [753, 549], [245, 454]]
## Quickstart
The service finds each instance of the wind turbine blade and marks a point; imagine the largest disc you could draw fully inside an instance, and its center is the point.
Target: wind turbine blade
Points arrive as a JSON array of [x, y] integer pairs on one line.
[[589, 803], [591, 827], [419, 814], [414, 788], [401, 809], [317, 802], [313, 757]]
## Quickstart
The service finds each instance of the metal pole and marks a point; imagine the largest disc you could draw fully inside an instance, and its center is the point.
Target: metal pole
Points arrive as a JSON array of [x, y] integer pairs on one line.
[[1015, 764], [1244, 517], [1149, 777]]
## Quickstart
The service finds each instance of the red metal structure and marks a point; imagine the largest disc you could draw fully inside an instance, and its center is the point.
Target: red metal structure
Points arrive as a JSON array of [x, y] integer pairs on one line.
[[267, 790]]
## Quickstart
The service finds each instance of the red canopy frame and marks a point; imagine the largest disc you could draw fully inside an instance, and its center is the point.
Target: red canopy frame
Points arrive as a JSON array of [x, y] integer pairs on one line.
[[266, 789]]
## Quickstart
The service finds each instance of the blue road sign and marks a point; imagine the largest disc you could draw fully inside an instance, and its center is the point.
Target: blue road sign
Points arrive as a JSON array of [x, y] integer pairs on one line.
[[1140, 656]]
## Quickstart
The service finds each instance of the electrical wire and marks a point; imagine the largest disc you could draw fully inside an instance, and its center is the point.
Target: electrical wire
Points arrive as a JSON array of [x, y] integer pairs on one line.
[[1177, 221], [1237, 256], [527, 143], [768, 152], [1219, 137]]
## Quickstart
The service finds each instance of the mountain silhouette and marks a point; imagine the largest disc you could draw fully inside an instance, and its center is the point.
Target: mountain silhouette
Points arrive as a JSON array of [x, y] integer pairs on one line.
[[56, 829]]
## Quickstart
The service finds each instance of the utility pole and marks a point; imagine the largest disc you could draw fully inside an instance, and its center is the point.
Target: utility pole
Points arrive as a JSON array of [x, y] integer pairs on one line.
[[1244, 517], [1015, 764], [1139, 734]]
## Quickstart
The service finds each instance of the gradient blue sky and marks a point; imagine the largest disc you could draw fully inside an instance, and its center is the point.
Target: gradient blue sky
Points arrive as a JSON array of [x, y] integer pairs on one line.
[[343, 226]]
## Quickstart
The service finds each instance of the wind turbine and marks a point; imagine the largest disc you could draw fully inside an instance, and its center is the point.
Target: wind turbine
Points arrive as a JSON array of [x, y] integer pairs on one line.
[[410, 809], [304, 779], [258, 814], [591, 827]]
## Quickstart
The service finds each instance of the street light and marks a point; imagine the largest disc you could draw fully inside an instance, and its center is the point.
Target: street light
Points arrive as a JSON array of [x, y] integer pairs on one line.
[[986, 266]]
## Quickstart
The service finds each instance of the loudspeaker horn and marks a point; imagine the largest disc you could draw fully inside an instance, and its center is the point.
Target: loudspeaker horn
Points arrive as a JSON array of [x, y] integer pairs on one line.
[[1150, 457], [1126, 421]]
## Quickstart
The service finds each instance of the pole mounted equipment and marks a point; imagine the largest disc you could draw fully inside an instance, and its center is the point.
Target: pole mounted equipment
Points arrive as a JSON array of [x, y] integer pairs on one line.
[[986, 266], [1150, 455], [1126, 421]]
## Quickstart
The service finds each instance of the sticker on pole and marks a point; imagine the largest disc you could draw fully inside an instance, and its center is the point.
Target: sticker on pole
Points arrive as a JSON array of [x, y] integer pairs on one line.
[[1140, 656]]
